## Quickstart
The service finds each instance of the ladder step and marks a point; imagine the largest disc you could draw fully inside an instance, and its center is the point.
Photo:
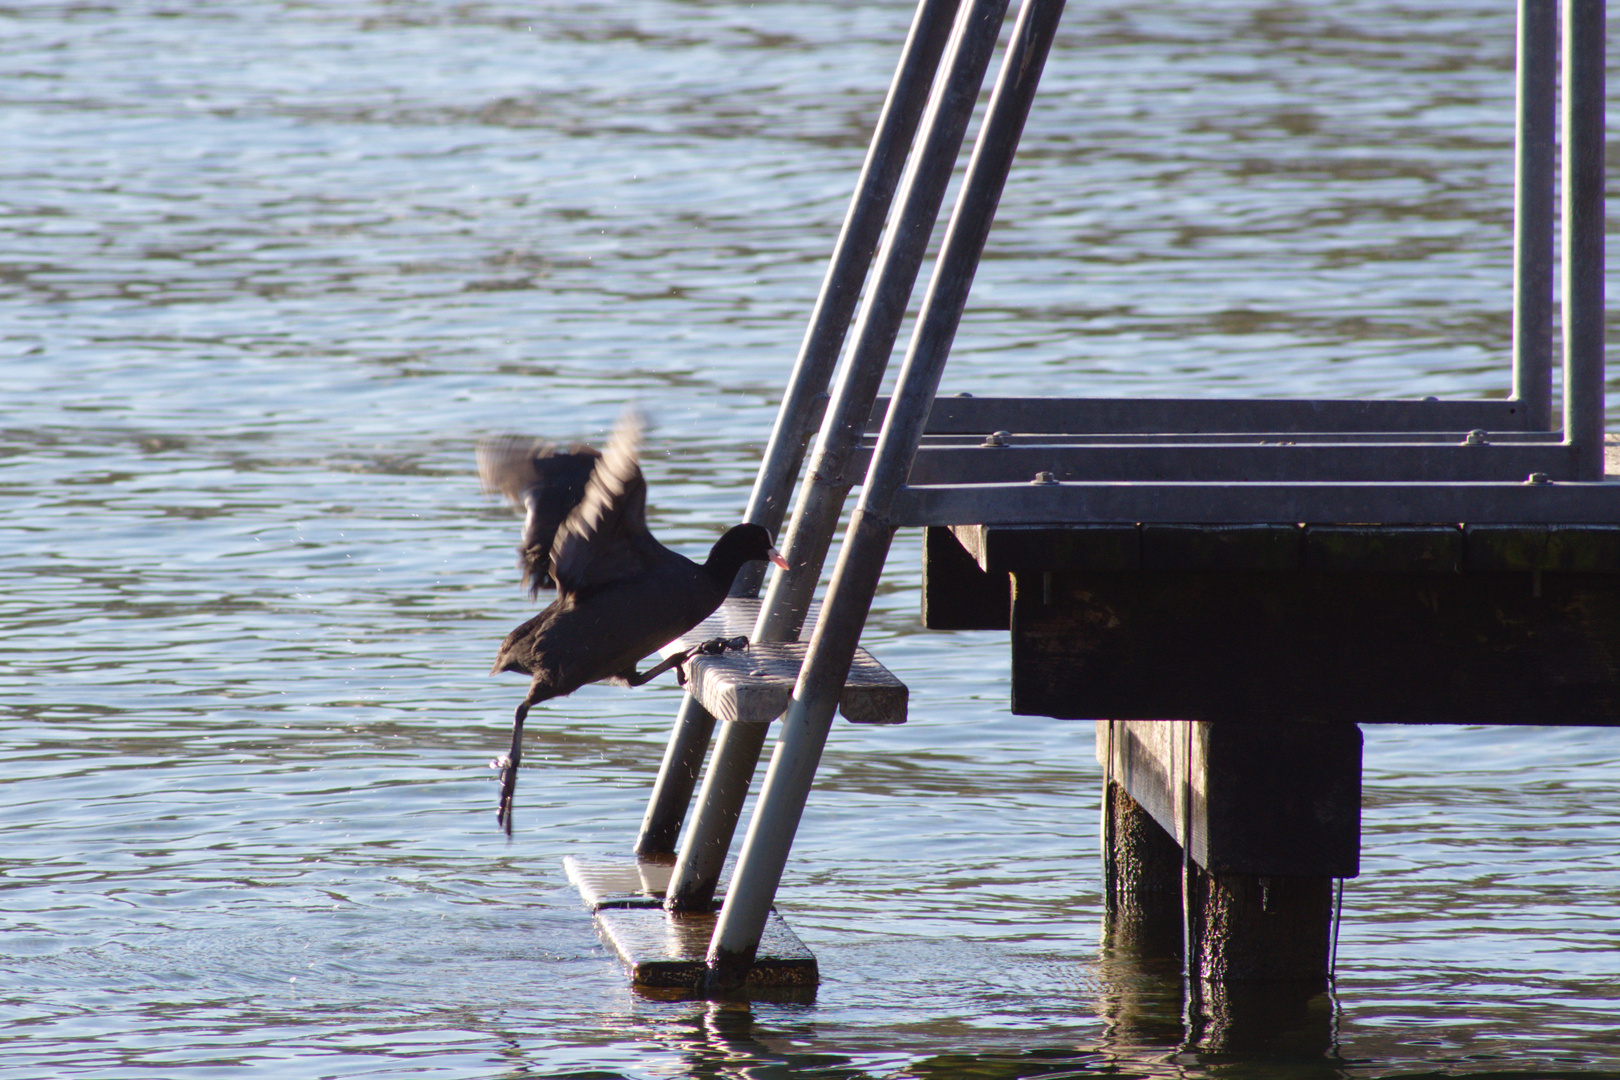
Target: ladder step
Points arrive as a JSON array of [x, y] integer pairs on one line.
[[619, 883], [754, 685], [668, 951], [665, 951]]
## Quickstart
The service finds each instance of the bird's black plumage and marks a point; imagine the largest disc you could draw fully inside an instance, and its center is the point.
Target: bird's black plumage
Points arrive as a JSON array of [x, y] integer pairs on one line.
[[545, 482], [621, 595]]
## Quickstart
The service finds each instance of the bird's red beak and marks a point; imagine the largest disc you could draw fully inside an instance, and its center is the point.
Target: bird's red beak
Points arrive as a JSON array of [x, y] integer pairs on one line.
[[776, 558]]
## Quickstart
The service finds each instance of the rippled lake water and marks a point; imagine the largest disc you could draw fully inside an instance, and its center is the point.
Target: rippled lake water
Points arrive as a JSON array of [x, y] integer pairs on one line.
[[271, 268]]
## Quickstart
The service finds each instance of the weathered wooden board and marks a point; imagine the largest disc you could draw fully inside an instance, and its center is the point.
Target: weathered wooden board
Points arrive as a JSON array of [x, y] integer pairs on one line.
[[614, 883], [956, 593], [1275, 799], [1384, 549], [663, 950], [1482, 648], [754, 685], [1047, 547], [1441, 548], [1561, 549], [1206, 548]]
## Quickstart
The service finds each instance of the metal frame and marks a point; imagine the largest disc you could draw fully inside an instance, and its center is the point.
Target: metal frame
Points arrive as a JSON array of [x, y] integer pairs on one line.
[[964, 414], [1094, 461]]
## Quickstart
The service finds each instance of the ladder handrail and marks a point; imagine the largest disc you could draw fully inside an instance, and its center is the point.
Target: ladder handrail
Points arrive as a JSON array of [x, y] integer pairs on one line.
[[866, 543]]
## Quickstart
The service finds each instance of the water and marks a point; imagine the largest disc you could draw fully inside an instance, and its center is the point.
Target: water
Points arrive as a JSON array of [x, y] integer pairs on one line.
[[271, 268]]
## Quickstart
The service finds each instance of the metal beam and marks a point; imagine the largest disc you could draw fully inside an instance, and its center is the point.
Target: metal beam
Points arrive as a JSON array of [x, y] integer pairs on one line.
[[1583, 107], [922, 191], [1220, 463], [797, 418], [1318, 503], [805, 401], [1535, 131], [1059, 415], [1243, 438]]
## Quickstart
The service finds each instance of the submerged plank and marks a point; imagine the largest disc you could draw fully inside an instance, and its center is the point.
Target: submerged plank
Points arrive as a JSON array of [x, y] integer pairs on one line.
[[619, 882], [660, 949]]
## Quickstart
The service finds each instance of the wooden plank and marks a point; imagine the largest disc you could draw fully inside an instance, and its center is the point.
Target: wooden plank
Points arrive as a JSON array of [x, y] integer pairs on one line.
[[1342, 648], [1222, 547], [754, 685], [1391, 549], [1558, 548], [1267, 798], [1040, 547], [619, 882], [956, 593], [663, 950]]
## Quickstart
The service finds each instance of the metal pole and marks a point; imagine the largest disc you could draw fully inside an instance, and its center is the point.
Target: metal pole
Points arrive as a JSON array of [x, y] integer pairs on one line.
[[866, 544], [1535, 137], [677, 776], [736, 755], [928, 172], [725, 788], [802, 405], [1584, 29]]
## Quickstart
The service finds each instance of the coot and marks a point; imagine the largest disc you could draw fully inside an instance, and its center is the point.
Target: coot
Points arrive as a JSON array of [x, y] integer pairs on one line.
[[620, 593]]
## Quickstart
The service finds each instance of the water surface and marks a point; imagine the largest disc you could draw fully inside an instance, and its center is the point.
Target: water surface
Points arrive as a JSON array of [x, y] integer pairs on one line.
[[271, 268]]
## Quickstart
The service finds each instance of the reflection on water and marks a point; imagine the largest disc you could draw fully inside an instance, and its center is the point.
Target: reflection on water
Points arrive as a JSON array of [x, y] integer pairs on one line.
[[271, 269]]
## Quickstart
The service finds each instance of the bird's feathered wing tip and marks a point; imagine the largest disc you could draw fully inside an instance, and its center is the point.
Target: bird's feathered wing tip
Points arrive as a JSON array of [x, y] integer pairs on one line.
[[597, 541], [507, 465]]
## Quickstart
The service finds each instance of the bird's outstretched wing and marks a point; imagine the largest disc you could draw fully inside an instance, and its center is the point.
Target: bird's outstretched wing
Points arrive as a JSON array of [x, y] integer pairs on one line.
[[606, 537], [545, 482]]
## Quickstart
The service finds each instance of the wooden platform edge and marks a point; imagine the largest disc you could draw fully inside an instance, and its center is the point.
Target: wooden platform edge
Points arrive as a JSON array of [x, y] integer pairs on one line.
[[665, 951], [619, 883], [662, 950]]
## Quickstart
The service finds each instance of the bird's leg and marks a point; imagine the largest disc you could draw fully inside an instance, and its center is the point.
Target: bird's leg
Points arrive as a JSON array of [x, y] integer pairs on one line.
[[633, 678], [712, 647], [508, 762]]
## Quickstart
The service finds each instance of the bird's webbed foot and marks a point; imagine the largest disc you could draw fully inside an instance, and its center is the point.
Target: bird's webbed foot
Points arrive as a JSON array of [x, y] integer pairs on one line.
[[716, 646], [712, 647]]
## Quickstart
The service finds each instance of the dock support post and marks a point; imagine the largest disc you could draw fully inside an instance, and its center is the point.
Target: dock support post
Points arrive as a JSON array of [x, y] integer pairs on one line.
[[805, 399], [1583, 108], [1535, 131], [1142, 879], [1261, 928], [1261, 817], [871, 530]]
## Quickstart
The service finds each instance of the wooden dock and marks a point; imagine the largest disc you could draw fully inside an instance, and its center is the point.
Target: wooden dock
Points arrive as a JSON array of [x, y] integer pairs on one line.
[[1228, 588]]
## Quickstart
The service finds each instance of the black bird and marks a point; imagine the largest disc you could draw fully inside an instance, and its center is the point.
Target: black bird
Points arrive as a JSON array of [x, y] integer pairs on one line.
[[545, 482], [620, 593]]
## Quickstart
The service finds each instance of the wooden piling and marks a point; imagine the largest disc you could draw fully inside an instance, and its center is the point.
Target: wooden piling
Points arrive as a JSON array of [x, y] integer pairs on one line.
[[1142, 880]]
